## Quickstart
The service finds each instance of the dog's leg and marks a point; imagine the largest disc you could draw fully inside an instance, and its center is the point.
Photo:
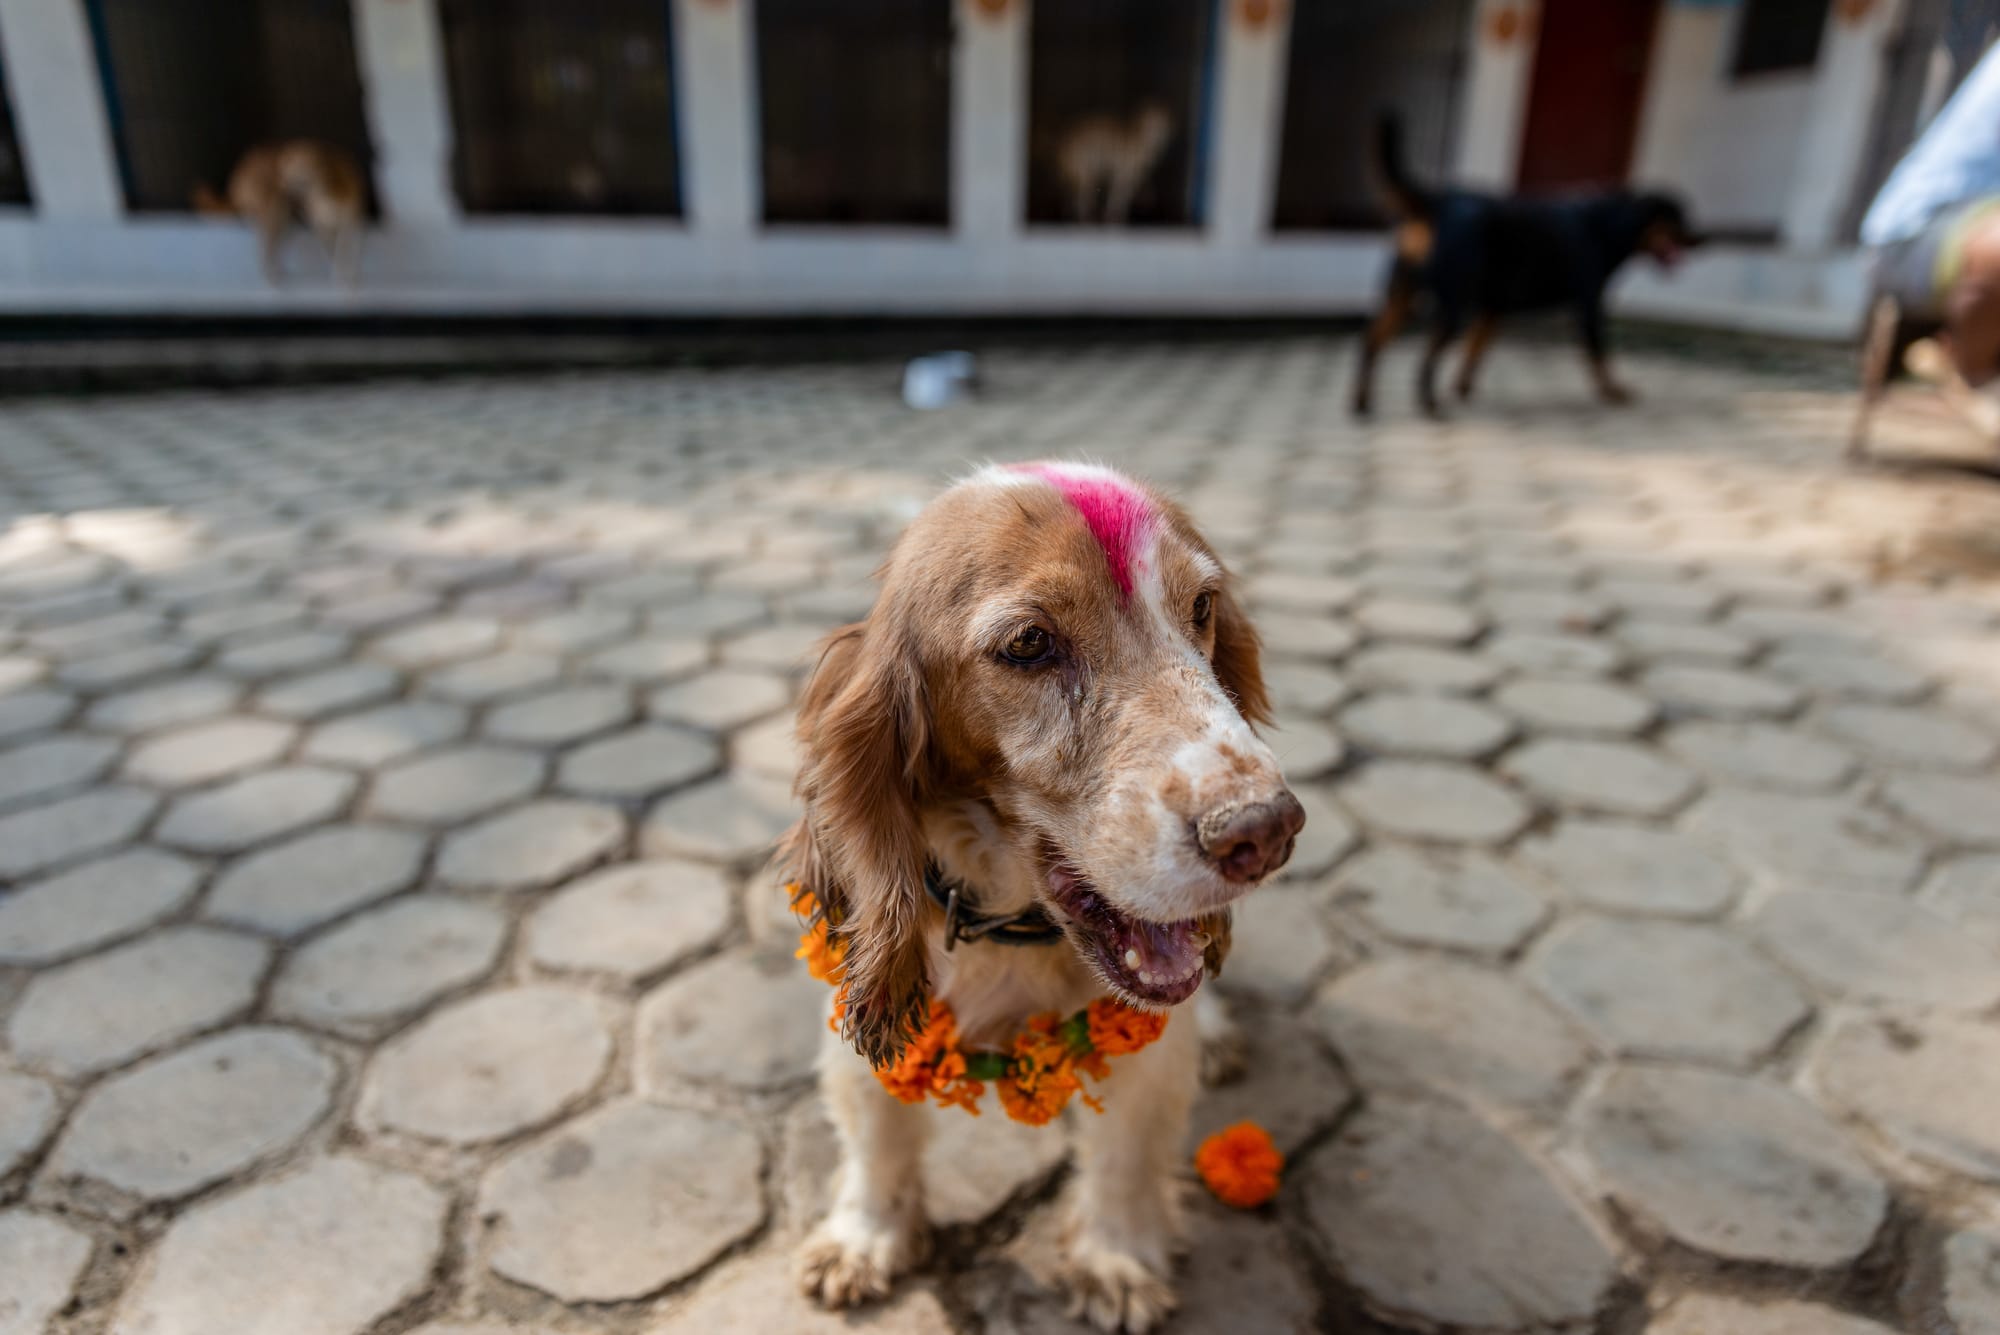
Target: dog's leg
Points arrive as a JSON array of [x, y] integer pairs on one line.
[[1477, 340], [345, 249], [1387, 322], [1119, 192], [1125, 1222], [1878, 350], [1222, 1045], [876, 1228], [1590, 324], [1444, 329]]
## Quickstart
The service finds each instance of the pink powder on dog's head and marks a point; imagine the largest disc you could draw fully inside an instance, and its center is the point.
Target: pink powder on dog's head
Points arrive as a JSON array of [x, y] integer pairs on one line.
[[1120, 516]]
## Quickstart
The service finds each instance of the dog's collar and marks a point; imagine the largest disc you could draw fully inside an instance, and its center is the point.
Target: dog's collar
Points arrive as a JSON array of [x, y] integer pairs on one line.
[[1030, 927]]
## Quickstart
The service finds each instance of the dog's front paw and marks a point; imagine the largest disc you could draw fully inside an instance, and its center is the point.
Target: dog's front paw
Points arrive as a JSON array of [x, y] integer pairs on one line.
[[854, 1258], [1115, 1290], [1616, 394]]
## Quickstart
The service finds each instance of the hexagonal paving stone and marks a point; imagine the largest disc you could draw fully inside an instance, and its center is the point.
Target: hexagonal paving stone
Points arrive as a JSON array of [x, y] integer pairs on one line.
[[110, 1008], [578, 629], [1551, 651], [553, 718], [639, 762], [1278, 945], [1961, 808], [25, 713], [735, 818], [1929, 1087], [1808, 841], [1423, 799], [1683, 641], [1560, 704], [1903, 735], [1328, 837], [379, 608], [759, 1294], [42, 837], [533, 845], [326, 1251], [1424, 724], [1761, 755], [1417, 668], [1389, 1196], [255, 808], [721, 700], [1427, 1024], [1681, 600], [622, 1202], [643, 588], [1305, 749], [631, 920], [1738, 1168], [748, 1020], [270, 656], [451, 785], [126, 667], [1852, 672], [40, 1263], [204, 752], [1720, 692], [150, 708], [489, 1067], [1633, 868], [1967, 890], [1314, 639], [1856, 944], [1417, 619], [1288, 1085], [478, 681], [43, 769], [1705, 1314], [1303, 688], [652, 658], [384, 734], [1972, 1276], [1617, 778], [443, 640], [175, 1124], [316, 877], [1667, 990], [369, 973], [1462, 901], [315, 695], [1306, 592], [92, 904], [710, 614], [27, 1115]]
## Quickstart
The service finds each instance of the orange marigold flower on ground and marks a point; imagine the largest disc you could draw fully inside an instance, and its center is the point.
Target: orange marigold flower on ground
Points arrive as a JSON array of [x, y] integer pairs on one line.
[[1240, 1165], [1117, 1029]]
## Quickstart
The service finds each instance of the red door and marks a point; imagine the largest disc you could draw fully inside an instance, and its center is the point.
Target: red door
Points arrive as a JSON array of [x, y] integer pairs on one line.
[[1583, 104]]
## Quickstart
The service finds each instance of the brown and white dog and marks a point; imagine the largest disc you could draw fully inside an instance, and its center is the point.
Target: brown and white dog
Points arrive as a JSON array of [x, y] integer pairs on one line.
[[1051, 704], [1110, 157], [305, 179]]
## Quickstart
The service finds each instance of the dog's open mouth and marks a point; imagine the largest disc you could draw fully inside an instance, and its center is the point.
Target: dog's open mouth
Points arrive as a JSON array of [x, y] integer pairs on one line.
[[1149, 963]]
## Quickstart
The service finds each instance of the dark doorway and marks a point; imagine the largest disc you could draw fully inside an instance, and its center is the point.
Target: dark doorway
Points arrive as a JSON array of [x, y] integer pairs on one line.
[[856, 110], [562, 108], [1349, 63], [1588, 86], [192, 85], [13, 172], [1124, 80]]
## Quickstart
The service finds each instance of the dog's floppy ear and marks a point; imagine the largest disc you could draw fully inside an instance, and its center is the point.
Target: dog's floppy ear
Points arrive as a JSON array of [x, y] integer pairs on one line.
[[859, 847], [1238, 658]]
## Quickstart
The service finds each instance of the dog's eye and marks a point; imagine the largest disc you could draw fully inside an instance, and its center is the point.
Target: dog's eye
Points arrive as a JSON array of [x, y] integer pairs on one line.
[[1031, 644], [1204, 604]]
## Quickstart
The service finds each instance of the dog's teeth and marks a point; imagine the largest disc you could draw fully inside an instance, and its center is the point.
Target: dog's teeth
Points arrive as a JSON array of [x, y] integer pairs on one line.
[[1145, 978], [1131, 959]]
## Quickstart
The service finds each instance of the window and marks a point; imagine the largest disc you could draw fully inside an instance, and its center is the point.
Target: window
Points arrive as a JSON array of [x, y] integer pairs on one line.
[[855, 102], [1118, 111], [192, 86], [13, 172], [562, 107], [1777, 35], [1350, 62]]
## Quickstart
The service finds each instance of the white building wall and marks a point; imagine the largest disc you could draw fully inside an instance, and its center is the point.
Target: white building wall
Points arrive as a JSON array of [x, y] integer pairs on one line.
[[78, 252]]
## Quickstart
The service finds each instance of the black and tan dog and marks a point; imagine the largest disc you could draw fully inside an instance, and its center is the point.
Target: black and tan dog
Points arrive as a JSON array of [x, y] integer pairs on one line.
[[1480, 257]]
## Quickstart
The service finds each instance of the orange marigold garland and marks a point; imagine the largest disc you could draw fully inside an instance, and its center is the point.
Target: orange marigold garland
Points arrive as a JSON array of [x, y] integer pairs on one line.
[[1035, 1078], [1240, 1165]]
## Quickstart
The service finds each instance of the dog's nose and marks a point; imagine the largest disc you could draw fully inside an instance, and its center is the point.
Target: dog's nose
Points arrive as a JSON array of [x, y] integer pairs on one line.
[[1247, 841]]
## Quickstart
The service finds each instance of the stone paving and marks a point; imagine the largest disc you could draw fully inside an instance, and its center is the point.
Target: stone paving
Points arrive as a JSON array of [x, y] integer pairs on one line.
[[387, 771]]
